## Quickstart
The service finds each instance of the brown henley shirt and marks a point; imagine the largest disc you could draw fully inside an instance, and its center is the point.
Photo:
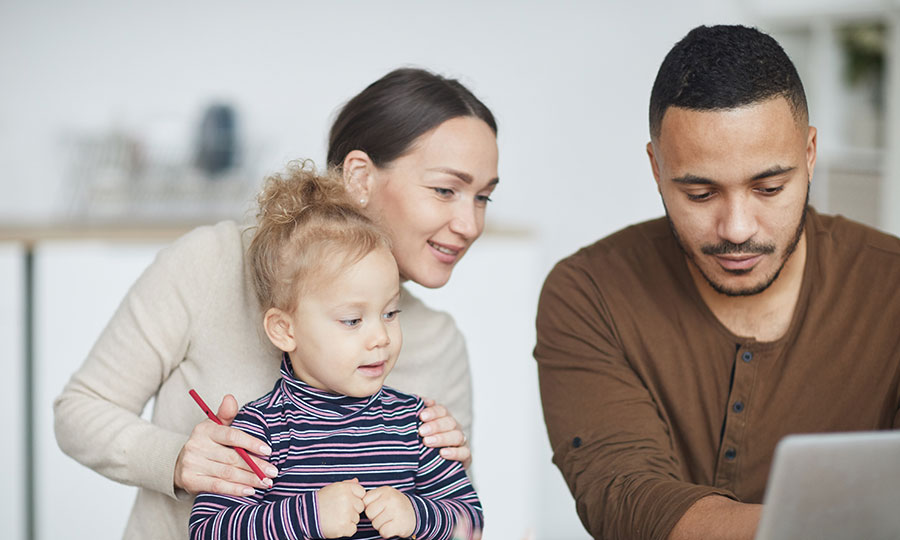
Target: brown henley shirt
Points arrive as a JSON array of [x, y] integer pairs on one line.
[[651, 403]]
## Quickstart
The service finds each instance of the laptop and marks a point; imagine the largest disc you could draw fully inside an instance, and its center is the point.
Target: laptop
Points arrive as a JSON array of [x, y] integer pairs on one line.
[[836, 486]]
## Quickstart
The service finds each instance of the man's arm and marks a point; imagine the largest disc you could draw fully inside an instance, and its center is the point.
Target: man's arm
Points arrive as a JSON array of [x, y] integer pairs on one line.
[[609, 437], [718, 518]]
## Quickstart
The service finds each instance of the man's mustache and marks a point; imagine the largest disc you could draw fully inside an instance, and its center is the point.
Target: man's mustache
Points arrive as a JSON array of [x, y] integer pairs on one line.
[[727, 248]]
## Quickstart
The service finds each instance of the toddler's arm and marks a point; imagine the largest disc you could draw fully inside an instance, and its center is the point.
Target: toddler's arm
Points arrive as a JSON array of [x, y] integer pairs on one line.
[[444, 500], [229, 517]]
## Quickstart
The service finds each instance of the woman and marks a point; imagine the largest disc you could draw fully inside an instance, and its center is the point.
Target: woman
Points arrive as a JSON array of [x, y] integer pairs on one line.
[[419, 154]]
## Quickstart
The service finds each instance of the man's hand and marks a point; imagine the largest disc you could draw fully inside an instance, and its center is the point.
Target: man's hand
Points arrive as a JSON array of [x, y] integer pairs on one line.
[[440, 430], [391, 512], [208, 462]]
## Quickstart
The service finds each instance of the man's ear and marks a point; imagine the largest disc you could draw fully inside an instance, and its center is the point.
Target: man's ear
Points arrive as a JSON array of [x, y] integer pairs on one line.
[[359, 176], [654, 164], [280, 329], [811, 144]]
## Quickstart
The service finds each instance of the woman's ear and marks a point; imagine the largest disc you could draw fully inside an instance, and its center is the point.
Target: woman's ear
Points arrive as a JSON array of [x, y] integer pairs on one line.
[[280, 329], [359, 173]]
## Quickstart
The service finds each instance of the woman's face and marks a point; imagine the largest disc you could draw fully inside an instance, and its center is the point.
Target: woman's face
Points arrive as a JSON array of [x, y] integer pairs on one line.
[[433, 199]]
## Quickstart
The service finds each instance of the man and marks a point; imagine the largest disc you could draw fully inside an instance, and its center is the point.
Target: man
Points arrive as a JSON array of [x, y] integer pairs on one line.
[[674, 354]]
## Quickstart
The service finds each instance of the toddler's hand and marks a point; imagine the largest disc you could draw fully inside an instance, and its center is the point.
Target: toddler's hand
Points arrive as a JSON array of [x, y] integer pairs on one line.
[[340, 505], [391, 512]]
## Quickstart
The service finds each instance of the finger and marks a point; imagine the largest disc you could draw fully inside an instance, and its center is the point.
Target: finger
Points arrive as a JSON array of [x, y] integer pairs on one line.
[[359, 507], [199, 459], [379, 522], [375, 509], [371, 496], [432, 412], [239, 475], [228, 456], [442, 424], [358, 491], [457, 453], [390, 528], [428, 402], [228, 409], [224, 487], [235, 438]]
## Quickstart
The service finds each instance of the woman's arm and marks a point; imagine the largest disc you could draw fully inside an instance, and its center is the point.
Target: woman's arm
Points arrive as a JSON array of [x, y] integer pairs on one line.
[[97, 416]]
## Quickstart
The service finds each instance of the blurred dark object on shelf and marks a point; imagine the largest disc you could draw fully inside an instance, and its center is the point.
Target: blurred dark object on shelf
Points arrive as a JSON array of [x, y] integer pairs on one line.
[[217, 140]]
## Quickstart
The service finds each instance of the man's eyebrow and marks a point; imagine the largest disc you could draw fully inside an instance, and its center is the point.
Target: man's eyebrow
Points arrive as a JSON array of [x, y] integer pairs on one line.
[[690, 179], [773, 171], [464, 176]]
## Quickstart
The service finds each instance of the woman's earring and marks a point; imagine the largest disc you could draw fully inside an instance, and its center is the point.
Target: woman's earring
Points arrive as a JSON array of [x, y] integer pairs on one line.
[[362, 201]]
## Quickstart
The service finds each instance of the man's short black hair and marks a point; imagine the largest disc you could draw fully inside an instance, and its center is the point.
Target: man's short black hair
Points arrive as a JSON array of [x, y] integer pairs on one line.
[[724, 67]]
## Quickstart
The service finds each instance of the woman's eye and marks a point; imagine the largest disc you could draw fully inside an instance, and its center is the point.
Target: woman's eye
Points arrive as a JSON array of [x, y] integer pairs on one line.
[[482, 199], [351, 322], [391, 315], [443, 192]]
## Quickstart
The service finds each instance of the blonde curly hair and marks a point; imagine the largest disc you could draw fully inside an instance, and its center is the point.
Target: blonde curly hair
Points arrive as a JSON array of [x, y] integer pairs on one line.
[[308, 228]]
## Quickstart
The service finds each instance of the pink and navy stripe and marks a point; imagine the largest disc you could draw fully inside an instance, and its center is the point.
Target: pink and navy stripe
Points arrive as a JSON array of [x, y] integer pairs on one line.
[[319, 438]]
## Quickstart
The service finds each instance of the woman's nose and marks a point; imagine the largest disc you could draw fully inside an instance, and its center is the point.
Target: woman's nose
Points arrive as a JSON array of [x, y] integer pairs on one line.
[[466, 221]]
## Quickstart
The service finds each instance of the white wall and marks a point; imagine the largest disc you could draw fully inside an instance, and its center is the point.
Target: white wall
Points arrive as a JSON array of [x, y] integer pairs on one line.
[[569, 82], [78, 285], [12, 392]]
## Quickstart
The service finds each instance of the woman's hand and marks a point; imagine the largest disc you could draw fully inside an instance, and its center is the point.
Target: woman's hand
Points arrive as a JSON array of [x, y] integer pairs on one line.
[[208, 462], [440, 430]]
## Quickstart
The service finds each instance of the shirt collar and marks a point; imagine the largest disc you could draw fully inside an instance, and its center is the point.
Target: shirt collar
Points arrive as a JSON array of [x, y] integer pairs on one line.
[[318, 402]]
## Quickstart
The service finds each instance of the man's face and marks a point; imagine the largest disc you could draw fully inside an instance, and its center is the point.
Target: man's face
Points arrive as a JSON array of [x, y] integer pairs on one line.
[[735, 184]]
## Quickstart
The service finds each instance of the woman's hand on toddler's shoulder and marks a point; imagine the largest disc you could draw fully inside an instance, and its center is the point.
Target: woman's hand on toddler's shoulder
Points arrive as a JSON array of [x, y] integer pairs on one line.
[[440, 430]]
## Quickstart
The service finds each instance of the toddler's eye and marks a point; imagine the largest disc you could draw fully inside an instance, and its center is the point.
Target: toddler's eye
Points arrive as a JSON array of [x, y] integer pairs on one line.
[[391, 315], [351, 322]]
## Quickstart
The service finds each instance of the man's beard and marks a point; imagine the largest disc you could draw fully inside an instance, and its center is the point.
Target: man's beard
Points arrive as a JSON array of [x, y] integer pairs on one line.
[[750, 246]]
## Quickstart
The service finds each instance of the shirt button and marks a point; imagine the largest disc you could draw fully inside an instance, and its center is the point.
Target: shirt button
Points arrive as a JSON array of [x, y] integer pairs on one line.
[[576, 442], [738, 406], [730, 453], [747, 356]]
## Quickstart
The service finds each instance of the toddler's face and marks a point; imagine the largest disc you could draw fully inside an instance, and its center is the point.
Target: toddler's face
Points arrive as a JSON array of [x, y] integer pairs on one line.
[[347, 332]]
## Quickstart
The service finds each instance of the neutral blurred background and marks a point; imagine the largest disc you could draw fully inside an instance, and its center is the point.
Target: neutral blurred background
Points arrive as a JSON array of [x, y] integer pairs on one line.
[[124, 124]]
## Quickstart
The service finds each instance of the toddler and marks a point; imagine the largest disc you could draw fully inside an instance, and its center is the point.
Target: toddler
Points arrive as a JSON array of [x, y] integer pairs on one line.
[[347, 449]]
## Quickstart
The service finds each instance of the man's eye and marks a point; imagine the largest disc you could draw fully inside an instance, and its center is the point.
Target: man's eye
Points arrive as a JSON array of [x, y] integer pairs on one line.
[[771, 190], [351, 322], [699, 196]]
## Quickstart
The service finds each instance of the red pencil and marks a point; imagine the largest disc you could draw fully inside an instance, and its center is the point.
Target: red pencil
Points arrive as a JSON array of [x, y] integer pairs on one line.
[[212, 416]]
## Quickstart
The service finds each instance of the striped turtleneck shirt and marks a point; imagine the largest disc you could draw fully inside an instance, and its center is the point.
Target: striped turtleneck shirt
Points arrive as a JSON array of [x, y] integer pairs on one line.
[[317, 439]]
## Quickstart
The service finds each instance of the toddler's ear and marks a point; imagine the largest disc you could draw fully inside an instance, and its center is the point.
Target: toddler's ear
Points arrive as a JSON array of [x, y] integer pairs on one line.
[[280, 329]]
